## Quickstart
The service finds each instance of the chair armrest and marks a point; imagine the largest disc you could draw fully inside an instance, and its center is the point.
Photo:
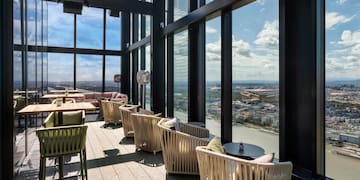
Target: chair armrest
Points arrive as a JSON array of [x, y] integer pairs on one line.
[[49, 121], [194, 130], [83, 116]]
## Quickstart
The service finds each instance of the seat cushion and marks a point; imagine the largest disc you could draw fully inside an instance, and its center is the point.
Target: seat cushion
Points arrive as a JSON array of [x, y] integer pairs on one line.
[[215, 145], [267, 158], [72, 118], [173, 124]]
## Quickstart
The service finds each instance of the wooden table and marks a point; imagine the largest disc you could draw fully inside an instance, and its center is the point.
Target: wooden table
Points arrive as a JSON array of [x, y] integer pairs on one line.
[[250, 151], [24, 92], [63, 96], [39, 108]]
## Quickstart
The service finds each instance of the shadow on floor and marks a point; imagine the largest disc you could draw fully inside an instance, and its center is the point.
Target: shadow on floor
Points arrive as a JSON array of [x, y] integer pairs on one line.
[[181, 177], [127, 140], [113, 156]]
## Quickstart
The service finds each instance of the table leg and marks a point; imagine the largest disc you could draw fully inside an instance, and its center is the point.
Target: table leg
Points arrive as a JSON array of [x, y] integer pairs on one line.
[[61, 167], [64, 100], [26, 136]]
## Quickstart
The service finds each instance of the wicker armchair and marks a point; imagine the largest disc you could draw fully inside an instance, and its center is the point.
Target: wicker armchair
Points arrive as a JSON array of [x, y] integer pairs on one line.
[[218, 166], [179, 147], [125, 114], [111, 111], [69, 118], [146, 132], [60, 141]]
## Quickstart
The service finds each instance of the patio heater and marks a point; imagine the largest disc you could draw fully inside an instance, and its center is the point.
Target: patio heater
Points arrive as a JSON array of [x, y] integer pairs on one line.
[[143, 77]]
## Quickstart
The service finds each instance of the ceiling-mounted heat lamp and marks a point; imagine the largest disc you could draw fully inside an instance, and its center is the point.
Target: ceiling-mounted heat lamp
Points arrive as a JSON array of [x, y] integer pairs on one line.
[[73, 6]]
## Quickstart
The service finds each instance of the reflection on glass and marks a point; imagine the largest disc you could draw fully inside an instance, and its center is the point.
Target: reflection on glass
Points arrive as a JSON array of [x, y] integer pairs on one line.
[[181, 8], [90, 28], [31, 70], [256, 75], [60, 26], [31, 19], [342, 105], [113, 67], [60, 71], [113, 37], [181, 97], [17, 70], [147, 68], [213, 76], [17, 22], [89, 72]]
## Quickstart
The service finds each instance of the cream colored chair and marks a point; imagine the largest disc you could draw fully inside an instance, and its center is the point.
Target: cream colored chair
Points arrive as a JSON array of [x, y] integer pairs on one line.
[[111, 111], [179, 147], [146, 132], [216, 166], [125, 114]]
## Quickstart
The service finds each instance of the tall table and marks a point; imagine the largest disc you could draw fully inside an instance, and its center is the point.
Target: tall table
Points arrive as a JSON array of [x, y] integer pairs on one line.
[[39, 108], [63, 96]]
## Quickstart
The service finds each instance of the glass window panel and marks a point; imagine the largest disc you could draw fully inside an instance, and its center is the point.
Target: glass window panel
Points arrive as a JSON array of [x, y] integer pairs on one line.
[[181, 8], [90, 28], [17, 22], [342, 104], [256, 75], [17, 70], [113, 37], [181, 71], [89, 72], [60, 71], [113, 66], [31, 19], [148, 86], [60, 26], [31, 70], [213, 76]]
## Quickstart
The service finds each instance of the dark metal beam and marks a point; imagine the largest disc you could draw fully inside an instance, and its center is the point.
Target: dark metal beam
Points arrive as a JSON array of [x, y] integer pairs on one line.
[[158, 58], [143, 54], [203, 12], [170, 62], [53, 49], [6, 90], [125, 58], [75, 34], [302, 85], [104, 48], [129, 6], [226, 76], [197, 83], [144, 41], [135, 59]]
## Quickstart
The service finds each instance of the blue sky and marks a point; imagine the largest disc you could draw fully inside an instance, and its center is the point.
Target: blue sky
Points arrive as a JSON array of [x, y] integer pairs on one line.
[[255, 40]]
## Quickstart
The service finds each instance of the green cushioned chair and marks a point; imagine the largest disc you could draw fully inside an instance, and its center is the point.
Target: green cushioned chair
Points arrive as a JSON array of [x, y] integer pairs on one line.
[[61, 141], [69, 118]]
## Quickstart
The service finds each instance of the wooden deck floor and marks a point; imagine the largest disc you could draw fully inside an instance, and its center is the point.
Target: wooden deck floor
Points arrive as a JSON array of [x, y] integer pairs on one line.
[[109, 156]]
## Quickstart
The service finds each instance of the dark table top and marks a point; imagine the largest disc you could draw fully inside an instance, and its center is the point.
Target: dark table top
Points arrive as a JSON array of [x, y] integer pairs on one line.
[[250, 151]]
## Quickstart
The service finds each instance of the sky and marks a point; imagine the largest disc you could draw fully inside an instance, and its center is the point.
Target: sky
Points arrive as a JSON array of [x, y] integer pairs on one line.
[[255, 41]]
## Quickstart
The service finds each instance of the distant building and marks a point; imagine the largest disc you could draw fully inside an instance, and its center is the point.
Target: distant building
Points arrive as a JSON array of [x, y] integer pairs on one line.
[[349, 138]]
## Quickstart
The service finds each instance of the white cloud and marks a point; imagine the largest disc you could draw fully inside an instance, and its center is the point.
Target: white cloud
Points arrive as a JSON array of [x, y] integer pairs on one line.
[[269, 35], [340, 2], [349, 38], [210, 30], [333, 18], [261, 2]]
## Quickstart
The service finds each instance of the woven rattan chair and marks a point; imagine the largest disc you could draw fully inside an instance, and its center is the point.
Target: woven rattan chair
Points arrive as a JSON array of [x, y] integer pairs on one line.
[[178, 147], [111, 111], [146, 132], [67, 100], [218, 166], [69, 118], [125, 114], [61, 141]]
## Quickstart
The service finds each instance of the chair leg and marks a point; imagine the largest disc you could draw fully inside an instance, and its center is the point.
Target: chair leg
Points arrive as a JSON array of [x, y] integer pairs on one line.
[[61, 167], [42, 172], [85, 164], [82, 165]]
